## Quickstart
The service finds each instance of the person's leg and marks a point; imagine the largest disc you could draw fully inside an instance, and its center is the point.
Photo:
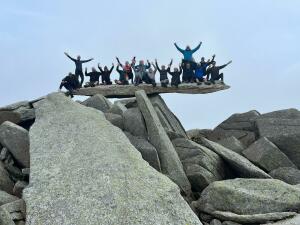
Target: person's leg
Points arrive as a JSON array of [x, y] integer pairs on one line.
[[222, 77]]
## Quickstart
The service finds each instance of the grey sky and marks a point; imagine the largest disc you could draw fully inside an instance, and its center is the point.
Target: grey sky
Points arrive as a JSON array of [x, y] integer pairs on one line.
[[260, 36]]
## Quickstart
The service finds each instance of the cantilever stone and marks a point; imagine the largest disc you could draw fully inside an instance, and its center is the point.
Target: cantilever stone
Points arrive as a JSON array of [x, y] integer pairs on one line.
[[125, 91]]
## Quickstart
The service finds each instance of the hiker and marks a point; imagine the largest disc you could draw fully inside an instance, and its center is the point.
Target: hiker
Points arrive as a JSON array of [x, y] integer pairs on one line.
[[123, 79], [164, 80], [105, 74], [139, 70], [188, 52], [94, 77], [78, 69], [188, 75], [127, 69], [175, 81], [70, 82], [214, 71], [149, 76], [201, 67]]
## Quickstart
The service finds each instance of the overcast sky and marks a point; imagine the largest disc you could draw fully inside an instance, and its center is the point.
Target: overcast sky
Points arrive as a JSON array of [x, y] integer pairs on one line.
[[260, 36]]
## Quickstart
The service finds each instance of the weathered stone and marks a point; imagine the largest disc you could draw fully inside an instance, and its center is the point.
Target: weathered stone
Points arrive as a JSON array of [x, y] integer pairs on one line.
[[4, 154], [16, 140], [6, 198], [172, 135], [26, 171], [20, 222], [147, 150], [14, 172], [128, 102], [6, 184], [241, 165], [266, 155], [97, 177], [117, 108], [215, 222], [233, 144], [134, 122], [9, 116], [286, 174], [284, 133], [172, 121], [197, 133], [26, 113], [164, 122], [15, 106], [115, 119], [230, 223], [169, 160], [282, 114], [16, 209], [249, 196], [99, 102], [253, 218], [126, 91], [5, 218], [19, 187], [292, 221]]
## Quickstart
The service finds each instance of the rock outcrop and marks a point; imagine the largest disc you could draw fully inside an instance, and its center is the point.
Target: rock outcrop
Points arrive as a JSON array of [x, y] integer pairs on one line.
[[125, 91], [79, 178], [289, 175]]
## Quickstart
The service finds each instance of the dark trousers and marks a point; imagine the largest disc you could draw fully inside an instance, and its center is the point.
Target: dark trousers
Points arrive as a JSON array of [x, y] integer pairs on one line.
[[78, 74], [220, 76]]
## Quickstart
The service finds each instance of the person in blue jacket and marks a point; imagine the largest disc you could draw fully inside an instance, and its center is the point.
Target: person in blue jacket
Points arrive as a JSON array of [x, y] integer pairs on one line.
[[201, 67], [188, 52]]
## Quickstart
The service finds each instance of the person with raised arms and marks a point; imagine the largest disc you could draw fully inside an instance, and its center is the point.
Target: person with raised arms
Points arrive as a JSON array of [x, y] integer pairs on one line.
[[175, 80], [214, 72], [163, 72], [201, 67], [188, 52], [94, 77], [127, 69], [105, 74]]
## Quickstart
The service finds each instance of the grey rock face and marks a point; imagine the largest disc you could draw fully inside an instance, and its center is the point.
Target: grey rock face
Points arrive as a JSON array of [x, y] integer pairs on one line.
[[6, 198], [115, 119], [15, 106], [241, 165], [284, 133], [86, 178], [202, 165], [266, 155], [233, 144], [147, 150], [117, 108], [249, 196], [167, 117], [286, 174], [169, 160], [215, 222], [292, 221], [5, 217], [99, 102], [16, 140], [19, 187], [9, 116], [134, 122], [282, 114]]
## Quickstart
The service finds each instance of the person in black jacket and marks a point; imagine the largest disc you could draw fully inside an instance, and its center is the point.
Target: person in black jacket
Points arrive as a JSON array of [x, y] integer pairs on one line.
[[214, 72], [78, 66], [70, 82], [105, 74], [188, 75], [175, 81], [94, 77], [164, 80], [123, 79]]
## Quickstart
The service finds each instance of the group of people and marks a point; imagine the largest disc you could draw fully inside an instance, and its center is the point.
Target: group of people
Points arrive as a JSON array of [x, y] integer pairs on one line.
[[191, 71]]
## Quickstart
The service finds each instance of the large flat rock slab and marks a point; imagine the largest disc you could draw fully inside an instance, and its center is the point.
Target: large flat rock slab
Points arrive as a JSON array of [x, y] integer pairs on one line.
[[125, 91], [85, 171]]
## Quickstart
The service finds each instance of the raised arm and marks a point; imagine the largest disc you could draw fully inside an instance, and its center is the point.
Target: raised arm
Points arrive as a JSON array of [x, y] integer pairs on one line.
[[119, 62], [155, 68], [179, 49], [197, 48], [223, 66], [85, 72], [88, 60], [111, 69], [100, 68], [70, 57], [156, 65], [148, 65]]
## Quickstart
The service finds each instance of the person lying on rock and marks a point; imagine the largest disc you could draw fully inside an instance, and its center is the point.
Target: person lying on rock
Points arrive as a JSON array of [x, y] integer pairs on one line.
[[214, 72], [201, 67], [188, 68], [175, 80], [94, 77], [105, 74], [127, 69], [149, 76], [71, 83], [164, 80], [78, 66], [140, 71], [188, 52], [123, 79]]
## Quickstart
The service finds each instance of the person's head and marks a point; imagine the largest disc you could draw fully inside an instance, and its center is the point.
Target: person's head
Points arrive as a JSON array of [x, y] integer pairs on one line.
[[93, 69], [105, 68], [141, 62], [202, 59], [126, 63], [213, 63], [78, 57], [188, 66], [176, 69], [188, 48], [150, 70], [70, 74], [163, 67]]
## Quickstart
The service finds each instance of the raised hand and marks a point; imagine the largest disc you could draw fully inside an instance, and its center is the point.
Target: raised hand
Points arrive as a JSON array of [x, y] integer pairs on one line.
[[229, 62]]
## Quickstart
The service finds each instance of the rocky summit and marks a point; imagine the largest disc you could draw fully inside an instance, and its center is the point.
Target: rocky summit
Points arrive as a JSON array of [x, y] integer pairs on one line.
[[128, 162]]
